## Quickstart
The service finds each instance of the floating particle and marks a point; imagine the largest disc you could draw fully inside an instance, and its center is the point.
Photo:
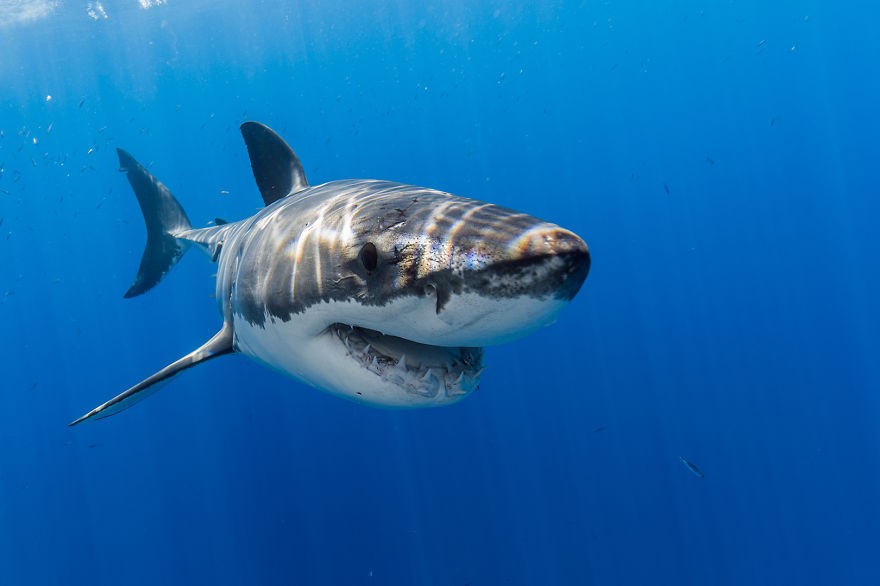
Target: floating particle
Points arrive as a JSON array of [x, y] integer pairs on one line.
[[692, 467]]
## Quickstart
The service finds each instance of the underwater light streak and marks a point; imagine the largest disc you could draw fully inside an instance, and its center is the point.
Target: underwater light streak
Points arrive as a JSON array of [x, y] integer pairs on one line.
[[22, 11], [147, 4]]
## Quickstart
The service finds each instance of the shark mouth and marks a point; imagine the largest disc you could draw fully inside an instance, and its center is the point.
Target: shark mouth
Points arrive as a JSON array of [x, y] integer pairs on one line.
[[416, 368]]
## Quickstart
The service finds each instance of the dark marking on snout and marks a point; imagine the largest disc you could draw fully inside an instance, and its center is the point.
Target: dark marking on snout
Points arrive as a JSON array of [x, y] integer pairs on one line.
[[444, 289], [527, 277]]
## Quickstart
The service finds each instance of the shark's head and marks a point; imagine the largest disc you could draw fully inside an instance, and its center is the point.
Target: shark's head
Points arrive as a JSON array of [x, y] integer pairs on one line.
[[386, 293]]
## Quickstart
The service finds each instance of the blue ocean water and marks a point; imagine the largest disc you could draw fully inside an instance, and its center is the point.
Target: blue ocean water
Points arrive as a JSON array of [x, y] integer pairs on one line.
[[718, 157]]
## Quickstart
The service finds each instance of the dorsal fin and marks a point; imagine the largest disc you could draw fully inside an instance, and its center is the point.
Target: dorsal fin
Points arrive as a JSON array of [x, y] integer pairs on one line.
[[276, 167]]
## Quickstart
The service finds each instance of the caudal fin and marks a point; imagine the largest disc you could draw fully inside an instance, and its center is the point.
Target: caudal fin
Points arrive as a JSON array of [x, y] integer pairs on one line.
[[164, 218]]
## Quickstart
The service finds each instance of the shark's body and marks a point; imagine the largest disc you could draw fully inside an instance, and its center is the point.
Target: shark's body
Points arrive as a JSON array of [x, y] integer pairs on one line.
[[377, 291]]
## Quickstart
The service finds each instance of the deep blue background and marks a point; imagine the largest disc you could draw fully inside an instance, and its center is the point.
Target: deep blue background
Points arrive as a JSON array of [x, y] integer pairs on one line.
[[720, 158]]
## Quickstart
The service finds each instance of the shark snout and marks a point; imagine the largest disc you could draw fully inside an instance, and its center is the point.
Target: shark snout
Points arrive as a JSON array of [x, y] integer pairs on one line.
[[549, 241], [562, 254], [575, 256], [533, 276], [563, 242]]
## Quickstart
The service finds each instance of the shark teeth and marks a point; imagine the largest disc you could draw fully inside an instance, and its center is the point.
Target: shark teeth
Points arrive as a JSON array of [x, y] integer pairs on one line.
[[414, 368]]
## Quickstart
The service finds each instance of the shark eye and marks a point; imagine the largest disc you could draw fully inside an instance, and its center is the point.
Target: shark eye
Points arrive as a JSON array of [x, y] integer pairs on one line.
[[369, 256]]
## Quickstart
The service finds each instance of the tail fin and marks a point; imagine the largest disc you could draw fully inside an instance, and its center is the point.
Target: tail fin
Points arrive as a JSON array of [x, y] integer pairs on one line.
[[163, 216]]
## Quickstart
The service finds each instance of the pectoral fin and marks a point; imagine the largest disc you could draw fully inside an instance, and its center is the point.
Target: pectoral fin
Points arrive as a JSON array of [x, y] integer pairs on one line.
[[219, 345]]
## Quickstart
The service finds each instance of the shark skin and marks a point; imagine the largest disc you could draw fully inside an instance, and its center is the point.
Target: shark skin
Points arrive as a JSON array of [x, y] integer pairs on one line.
[[379, 292]]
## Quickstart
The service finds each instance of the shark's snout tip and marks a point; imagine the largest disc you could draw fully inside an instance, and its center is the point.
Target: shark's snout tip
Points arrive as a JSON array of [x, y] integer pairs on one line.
[[576, 260]]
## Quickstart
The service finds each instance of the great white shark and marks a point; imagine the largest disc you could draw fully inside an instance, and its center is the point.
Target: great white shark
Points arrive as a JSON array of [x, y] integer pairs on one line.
[[379, 292]]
